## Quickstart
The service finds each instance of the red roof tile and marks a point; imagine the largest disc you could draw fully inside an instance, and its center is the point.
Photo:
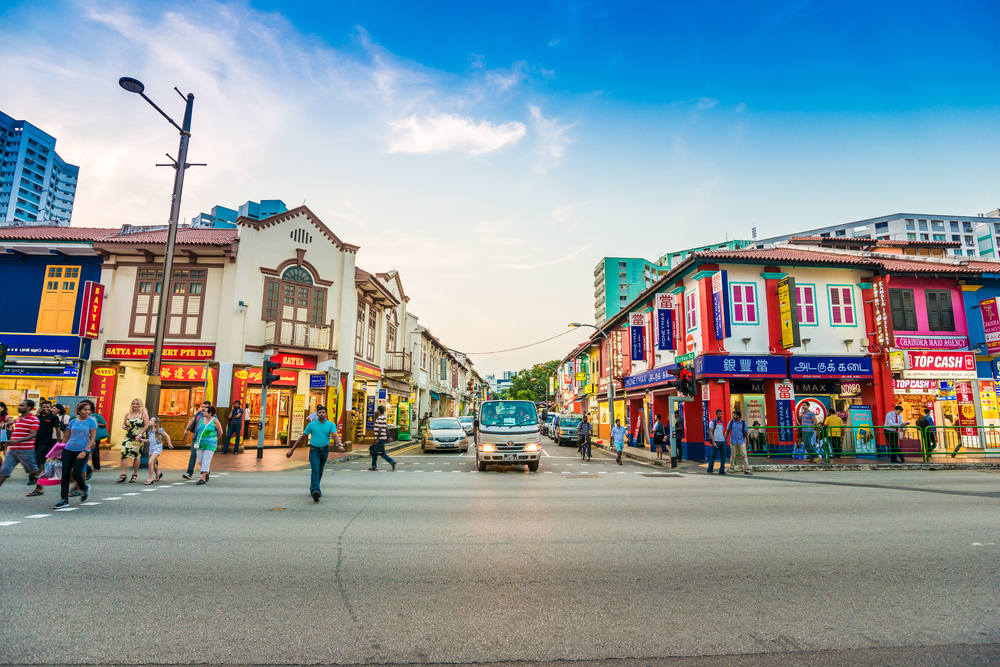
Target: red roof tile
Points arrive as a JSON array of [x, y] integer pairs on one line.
[[212, 237], [49, 233]]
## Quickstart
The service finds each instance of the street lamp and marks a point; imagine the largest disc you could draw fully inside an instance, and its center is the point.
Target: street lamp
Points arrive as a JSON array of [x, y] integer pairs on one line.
[[546, 385], [180, 165], [611, 384]]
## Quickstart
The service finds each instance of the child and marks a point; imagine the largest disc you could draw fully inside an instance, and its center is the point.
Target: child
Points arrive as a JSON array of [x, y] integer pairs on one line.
[[155, 436]]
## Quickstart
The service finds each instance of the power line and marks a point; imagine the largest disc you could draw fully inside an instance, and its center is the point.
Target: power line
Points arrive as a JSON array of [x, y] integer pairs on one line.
[[469, 354]]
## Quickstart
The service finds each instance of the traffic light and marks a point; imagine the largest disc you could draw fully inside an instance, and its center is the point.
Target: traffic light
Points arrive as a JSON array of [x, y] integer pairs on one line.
[[683, 381], [3, 356], [268, 376]]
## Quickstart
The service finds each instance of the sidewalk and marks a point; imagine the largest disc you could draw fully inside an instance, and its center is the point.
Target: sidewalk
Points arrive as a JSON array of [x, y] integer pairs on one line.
[[772, 464], [274, 459]]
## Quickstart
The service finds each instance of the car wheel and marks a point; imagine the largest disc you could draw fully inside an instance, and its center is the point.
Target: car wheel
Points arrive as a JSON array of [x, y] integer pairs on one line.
[[465, 451], [481, 465], [533, 466]]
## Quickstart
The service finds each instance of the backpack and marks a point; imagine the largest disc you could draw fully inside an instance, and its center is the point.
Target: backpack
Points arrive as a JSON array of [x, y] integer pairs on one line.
[[743, 427]]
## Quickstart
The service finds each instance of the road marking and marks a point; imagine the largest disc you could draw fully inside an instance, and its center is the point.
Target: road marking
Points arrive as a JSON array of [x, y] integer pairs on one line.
[[68, 509], [546, 453], [437, 471], [113, 498], [130, 494], [177, 484], [222, 473], [37, 516], [456, 471], [147, 490], [418, 471], [547, 472], [90, 504]]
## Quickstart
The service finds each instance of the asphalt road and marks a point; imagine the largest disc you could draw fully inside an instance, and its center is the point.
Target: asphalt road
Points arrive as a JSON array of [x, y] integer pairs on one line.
[[437, 563]]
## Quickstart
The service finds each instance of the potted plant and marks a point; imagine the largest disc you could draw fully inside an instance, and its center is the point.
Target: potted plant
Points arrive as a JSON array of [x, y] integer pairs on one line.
[[283, 437]]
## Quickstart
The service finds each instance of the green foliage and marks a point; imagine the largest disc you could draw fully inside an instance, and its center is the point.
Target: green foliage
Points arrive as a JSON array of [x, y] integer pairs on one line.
[[532, 383]]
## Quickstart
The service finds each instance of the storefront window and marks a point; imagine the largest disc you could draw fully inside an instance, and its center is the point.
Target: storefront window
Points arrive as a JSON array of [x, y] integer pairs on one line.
[[180, 402]]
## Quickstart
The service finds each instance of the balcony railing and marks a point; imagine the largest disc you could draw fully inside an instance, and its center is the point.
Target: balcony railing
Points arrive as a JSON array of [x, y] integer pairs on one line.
[[298, 334], [400, 362]]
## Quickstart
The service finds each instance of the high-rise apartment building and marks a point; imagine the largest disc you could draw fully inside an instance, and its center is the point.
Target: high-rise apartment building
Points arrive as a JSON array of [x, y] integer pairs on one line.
[[222, 217], [672, 259], [37, 187], [618, 280]]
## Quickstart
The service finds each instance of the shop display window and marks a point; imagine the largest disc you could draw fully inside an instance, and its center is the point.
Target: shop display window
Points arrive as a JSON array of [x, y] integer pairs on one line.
[[180, 402]]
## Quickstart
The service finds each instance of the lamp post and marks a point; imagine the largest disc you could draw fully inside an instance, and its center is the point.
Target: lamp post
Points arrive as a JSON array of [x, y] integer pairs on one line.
[[545, 384], [180, 165], [611, 383]]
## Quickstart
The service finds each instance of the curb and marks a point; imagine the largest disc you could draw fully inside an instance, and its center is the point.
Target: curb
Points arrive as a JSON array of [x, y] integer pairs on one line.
[[358, 456]]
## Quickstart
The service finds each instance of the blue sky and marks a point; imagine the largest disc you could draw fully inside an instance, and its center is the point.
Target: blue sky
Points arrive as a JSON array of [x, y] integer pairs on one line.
[[493, 152]]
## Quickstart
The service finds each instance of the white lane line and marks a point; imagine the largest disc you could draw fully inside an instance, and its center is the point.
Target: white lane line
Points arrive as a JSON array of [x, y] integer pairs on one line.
[[222, 473], [437, 471], [619, 473], [90, 504], [68, 509], [546, 453], [37, 516], [9, 523], [130, 494], [148, 490], [547, 472], [456, 471], [418, 471], [113, 498]]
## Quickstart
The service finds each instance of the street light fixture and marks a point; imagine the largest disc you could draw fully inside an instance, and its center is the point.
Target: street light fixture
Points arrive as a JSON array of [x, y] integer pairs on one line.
[[180, 165], [611, 384]]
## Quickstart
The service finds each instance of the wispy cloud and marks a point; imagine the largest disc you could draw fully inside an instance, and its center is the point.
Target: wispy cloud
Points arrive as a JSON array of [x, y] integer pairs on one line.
[[447, 132], [525, 266], [505, 78], [552, 139]]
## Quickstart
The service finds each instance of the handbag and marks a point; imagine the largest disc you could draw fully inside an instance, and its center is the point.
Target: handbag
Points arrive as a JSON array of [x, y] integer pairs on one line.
[[197, 441]]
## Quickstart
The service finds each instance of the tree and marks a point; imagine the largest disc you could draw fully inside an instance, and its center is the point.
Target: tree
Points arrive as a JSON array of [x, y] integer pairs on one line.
[[532, 383]]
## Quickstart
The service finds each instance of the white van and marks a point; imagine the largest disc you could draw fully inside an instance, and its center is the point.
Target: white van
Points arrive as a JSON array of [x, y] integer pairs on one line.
[[506, 434]]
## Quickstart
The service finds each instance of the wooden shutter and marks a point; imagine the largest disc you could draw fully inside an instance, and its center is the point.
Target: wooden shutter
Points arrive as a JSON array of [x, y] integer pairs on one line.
[[933, 317], [940, 316], [847, 299], [805, 295], [750, 302], [739, 316], [835, 314], [58, 303]]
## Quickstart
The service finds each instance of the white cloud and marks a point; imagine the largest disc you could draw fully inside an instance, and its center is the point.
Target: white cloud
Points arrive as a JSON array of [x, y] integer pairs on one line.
[[552, 139], [524, 266], [554, 42], [447, 132], [505, 78]]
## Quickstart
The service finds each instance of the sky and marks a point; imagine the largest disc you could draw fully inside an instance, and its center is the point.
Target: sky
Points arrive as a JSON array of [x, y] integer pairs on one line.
[[493, 153]]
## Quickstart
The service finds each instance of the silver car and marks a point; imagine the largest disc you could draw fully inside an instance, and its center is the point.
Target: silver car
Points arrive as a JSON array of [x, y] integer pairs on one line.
[[445, 434], [466, 424]]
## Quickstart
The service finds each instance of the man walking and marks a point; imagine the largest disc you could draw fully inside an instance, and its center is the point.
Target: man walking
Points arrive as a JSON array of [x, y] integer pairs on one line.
[[381, 429], [678, 453], [45, 439], [21, 446], [717, 432], [736, 437], [235, 428], [618, 438], [834, 433], [893, 426], [583, 437], [318, 434], [807, 422], [926, 426], [198, 407]]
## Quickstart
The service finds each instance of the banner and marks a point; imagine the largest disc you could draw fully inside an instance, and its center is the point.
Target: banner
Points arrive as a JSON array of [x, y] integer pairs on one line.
[[991, 324], [298, 361], [298, 417], [239, 392], [784, 394], [966, 413], [637, 335], [141, 352], [988, 401], [720, 305], [93, 306], [664, 321], [102, 387], [845, 368], [211, 384], [940, 366], [883, 329], [789, 313], [860, 419]]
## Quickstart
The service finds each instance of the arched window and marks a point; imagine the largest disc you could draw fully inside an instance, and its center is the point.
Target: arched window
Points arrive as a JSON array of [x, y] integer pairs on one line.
[[296, 274], [294, 298]]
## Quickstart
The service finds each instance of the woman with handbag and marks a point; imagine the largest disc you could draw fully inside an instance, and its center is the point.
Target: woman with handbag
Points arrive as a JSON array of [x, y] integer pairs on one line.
[[135, 424], [208, 430], [79, 441]]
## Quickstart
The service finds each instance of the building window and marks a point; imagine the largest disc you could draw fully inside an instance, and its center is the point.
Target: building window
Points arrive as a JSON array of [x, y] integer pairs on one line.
[[925, 237], [956, 238], [996, 227], [621, 265], [910, 224], [691, 310], [805, 295], [971, 253], [937, 225], [372, 322], [954, 226], [841, 305], [294, 298], [967, 227], [58, 304], [148, 287], [359, 329], [939, 313], [841, 232], [904, 315], [744, 303], [911, 237], [881, 227], [923, 225], [940, 237], [390, 338], [187, 296], [968, 240]]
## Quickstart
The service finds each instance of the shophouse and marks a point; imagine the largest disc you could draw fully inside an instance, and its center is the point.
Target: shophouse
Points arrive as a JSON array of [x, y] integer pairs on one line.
[[982, 314], [376, 315]]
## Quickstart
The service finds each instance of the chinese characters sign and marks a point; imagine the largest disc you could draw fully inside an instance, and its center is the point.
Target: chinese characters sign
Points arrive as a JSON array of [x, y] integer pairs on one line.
[[181, 373], [664, 321], [93, 306], [638, 336], [720, 304], [784, 394]]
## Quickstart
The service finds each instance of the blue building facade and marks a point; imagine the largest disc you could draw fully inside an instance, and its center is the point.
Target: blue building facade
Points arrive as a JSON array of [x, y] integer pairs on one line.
[[222, 217], [36, 185]]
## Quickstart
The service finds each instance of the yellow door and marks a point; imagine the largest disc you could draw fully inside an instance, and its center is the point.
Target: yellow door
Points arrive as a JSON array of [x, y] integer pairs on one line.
[[58, 305]]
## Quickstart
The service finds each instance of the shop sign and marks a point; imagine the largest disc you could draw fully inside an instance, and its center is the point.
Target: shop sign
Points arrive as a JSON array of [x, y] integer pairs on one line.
[[370, 414], [897, 360], [317, 381], [41, 345], [637, 334], [784, 394], [241, 378], [665, 321], [932, 342], [740, 365], [883, 333], [93, 306], [940, 365], [286, 378], [454, 376], [813, 405], [988, 401], [374, 372], [302, 362], [991, 324], [648, 378], [850, 368], [915, 386], [995, 367], [40, 371], [617, 359], [102, 387], [817, 388], [850, 389], [141, 352], [706, 392], [860, 418], [720, 305], [789, 314], [211, 383], [966, 412], [746, 387], [754, 410], [183, 373]]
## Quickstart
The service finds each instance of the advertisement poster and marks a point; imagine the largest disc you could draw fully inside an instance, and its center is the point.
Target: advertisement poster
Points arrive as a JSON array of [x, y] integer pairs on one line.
[[211, 384], [860, 420], [664, 321], [720, 305], [93, 306], [754, 405], [298, 416], [370, 413], [102, 388], [240, 380], [637, 336], [991, 324], [966, 414], [788, 313], [784, 394]]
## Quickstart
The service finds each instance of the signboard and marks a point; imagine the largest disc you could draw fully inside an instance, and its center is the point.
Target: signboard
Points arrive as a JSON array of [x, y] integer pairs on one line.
[[40, 345], [789, 313], [286, 378], [617, 358], [740, 365], [647, 378], [93, 306], [897, 360], [298, 417], [860, 419], [637, 335], [848, 368], [184, 373], [102, 387], [141, 352], [370, 414], [932, 342], [784, 394], [991, 324], [240, 380], [374, 372], [317, 381], [303, 362], [753, 410], [988, 403], [966, 413], [664, 321], [684, 358], [720, 305], [880, 304], [850, 389], [940, 365]]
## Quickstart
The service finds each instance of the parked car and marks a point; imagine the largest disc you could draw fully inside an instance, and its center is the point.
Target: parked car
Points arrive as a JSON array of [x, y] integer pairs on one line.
[[553, 427], [466, 424], [547, 424], [444, 434], [566, 430]]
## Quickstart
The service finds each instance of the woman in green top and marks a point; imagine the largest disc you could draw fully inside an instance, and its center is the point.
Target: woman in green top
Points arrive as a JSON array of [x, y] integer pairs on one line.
[[207, 432]]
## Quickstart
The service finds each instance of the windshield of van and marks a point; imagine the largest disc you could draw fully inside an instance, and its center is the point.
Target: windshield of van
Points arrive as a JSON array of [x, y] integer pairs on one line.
[[509, 413], [568, 421]]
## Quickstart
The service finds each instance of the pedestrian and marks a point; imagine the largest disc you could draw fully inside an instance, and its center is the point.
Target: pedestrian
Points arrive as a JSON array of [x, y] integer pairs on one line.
[[64, 418], [893, 425], [423, 422], [79, 440], [318, 433], [717, 431], [135, 424], [208, 430], [235, 428], [658, 438], [20, 445], [736, 437], [49, 433], [583, 437], [618, 438], [678, 453], [6, 422], [377, 449], [926, 425], [101, 438], [191, 428], [835, 433], [807, 431], [155, 438]]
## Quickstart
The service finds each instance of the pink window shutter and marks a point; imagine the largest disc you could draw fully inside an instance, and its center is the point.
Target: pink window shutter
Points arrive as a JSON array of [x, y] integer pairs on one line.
[[749, 294], [835, 306], [848, 306], [738, 304]]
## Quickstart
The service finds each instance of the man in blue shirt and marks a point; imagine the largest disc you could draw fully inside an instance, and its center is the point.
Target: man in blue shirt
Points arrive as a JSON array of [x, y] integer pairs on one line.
[[618, 438], [319, 433], [736, 432]]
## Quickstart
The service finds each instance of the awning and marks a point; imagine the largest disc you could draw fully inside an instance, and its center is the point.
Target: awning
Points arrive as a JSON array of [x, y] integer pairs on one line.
[[396, 386], [435, 396]]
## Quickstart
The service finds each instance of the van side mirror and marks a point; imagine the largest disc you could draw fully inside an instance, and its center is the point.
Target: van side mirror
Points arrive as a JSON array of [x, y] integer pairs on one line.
[[475, 424]]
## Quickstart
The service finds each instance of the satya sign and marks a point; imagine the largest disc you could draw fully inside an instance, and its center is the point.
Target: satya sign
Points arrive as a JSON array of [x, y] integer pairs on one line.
[[304, 362], [93, 307]]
